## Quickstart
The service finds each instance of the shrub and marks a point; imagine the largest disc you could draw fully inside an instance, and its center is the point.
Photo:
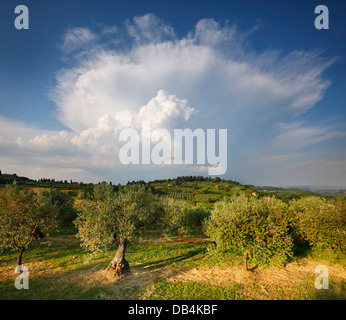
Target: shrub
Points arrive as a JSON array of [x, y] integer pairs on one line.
[[86, 193], [320, 222], [67, 212], [180, 218], [256, 228]]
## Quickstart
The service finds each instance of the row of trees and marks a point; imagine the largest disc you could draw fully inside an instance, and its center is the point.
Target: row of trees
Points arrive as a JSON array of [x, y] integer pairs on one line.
[[264, 230], [181, 195], [113, 219]]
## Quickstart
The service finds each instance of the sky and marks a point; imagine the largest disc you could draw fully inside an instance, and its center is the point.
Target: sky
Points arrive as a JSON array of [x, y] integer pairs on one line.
[[86, 70]]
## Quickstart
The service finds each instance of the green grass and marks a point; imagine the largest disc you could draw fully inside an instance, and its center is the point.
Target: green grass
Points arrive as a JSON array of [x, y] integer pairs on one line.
[[165, 290], [161, 268]]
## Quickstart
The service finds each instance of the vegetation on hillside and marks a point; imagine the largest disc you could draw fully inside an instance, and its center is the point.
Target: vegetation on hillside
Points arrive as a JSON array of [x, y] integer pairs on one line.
[[234, 224]]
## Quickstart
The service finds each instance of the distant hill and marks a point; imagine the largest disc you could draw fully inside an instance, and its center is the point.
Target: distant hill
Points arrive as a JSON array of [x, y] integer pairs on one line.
[[9, 178], [191, 188], [6, 178], [321, 191]]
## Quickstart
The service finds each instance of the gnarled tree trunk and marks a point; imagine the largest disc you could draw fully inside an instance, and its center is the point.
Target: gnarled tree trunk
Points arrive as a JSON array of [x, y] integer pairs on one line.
[[119, 265]]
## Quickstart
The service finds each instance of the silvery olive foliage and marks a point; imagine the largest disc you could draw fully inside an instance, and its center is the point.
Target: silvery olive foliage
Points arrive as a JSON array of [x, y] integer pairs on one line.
[[319, 221], [255, 227], [182, 219], [114, 217], [22, 213]]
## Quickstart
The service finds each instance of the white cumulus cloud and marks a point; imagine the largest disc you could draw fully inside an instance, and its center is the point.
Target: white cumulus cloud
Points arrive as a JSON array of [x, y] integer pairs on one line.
[[209, 78]]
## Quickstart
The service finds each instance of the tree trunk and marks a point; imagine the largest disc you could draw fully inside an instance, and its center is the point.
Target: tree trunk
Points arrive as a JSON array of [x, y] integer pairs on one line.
[[245, 261], [19, 259], [119, 264]]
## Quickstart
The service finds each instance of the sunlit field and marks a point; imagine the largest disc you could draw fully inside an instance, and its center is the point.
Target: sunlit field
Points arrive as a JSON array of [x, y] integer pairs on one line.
[[162, 268]]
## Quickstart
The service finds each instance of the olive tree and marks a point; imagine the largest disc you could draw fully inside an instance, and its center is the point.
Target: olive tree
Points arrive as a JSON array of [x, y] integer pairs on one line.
[[180, 218], [23, 217], [113, 219], [255, 228], [65, 203], [320, 222]]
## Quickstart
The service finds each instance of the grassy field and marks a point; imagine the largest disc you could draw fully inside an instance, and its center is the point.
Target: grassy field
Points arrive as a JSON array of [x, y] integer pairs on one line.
[[175, 268]]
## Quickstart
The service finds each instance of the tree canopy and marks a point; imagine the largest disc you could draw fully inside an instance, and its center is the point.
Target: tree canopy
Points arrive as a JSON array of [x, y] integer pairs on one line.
[[24, 216], [256, 228], [114, 217]]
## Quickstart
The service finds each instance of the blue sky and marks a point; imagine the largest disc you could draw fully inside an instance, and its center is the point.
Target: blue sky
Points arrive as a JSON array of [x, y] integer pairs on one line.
[[260, 69]]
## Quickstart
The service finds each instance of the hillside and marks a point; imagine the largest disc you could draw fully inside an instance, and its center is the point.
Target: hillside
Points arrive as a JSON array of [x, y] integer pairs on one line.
[[6, 178], [175, 256], [193, 189], [321, 191]]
